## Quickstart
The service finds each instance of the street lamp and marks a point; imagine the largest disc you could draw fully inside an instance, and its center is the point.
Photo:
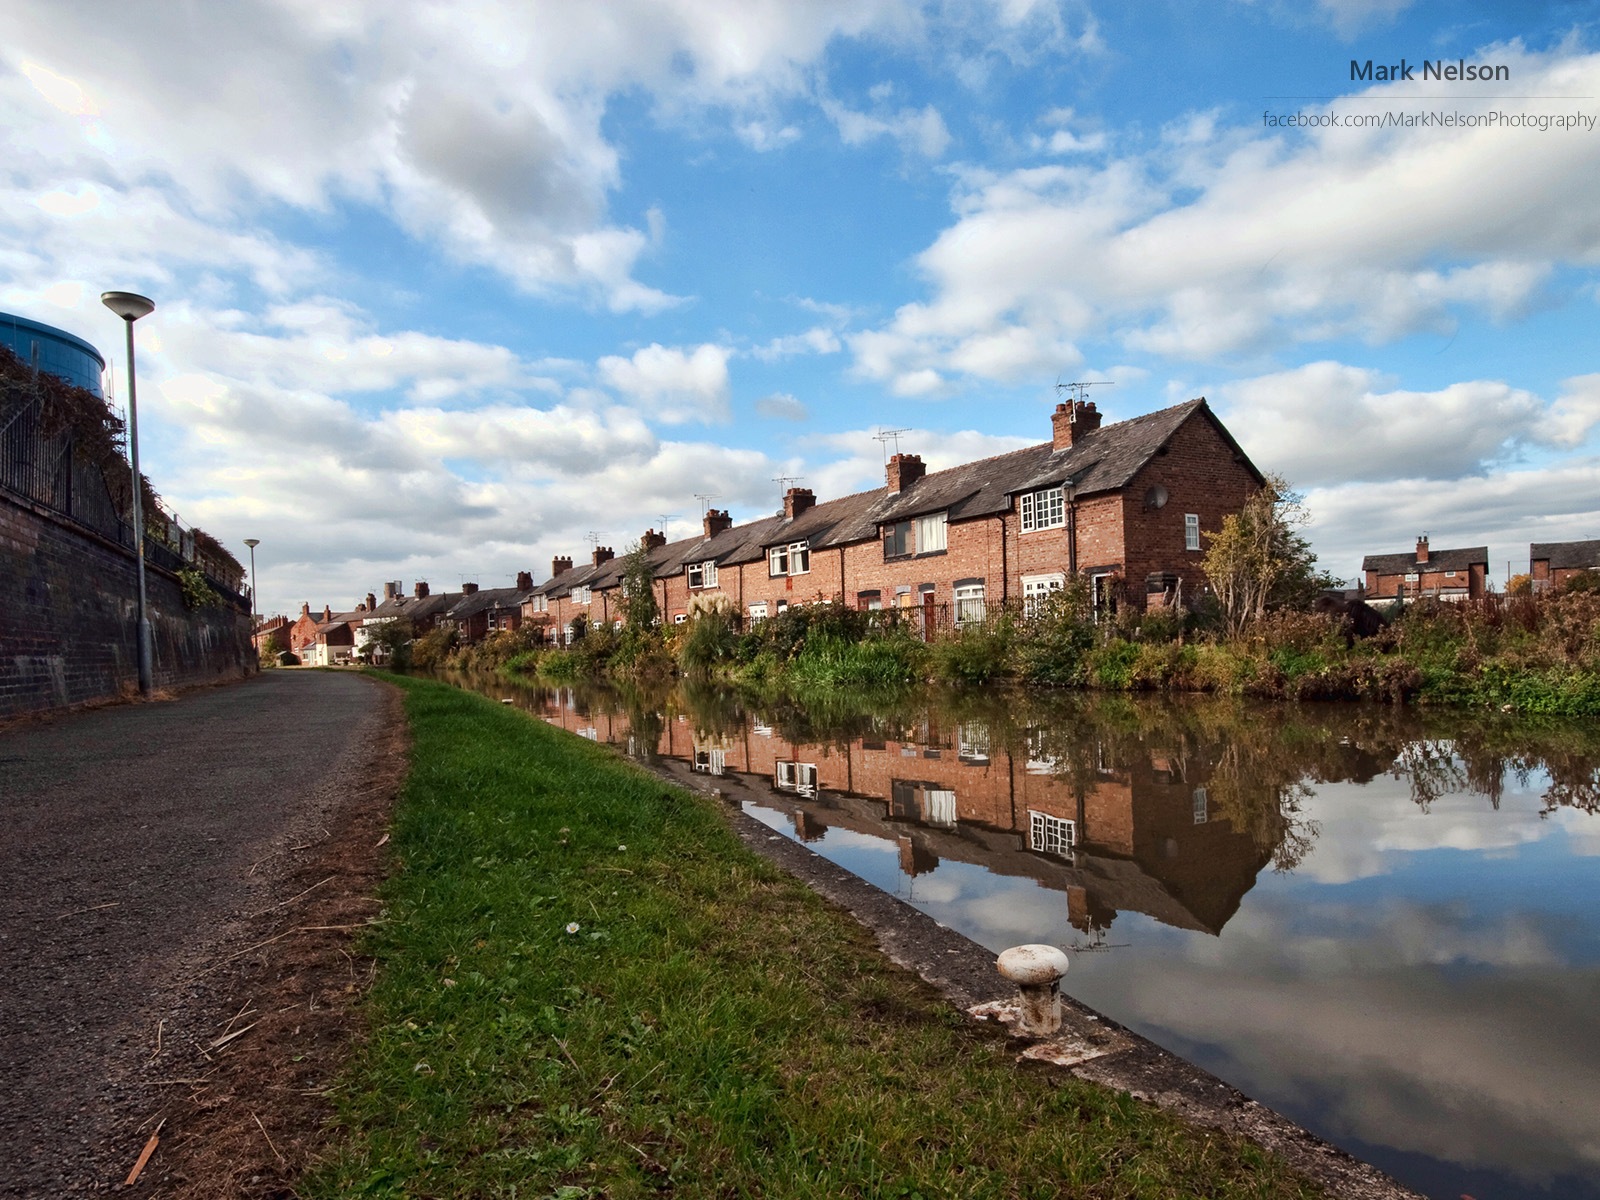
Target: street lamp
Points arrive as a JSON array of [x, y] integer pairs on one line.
[[255, 602], [130, 307]]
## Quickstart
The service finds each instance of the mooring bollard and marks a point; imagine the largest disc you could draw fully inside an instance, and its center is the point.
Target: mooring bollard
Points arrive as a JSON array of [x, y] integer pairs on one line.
[[1037, 972]]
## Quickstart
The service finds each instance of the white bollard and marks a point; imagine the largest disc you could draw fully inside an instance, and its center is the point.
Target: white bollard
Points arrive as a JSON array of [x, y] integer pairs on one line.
[[1037, 972]]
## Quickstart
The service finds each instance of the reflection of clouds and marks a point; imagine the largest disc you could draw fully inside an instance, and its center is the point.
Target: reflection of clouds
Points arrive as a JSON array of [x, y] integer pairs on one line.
[[1422, 1060], [1365, 828]]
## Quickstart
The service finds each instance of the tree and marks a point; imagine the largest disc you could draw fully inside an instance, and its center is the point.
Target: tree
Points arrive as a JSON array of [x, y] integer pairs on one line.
[[389, 642], [1259, 559], [639, 609]]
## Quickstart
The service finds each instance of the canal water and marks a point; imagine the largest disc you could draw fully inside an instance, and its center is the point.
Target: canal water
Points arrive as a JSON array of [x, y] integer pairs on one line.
[[1383, 923]]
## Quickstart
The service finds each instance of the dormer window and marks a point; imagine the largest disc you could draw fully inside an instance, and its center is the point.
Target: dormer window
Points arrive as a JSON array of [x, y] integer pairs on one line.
[[1044, 509], [702, 575], [793, 559]]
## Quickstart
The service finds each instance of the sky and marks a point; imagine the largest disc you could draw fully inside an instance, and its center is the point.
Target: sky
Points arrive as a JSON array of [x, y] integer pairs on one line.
[[447, 289]]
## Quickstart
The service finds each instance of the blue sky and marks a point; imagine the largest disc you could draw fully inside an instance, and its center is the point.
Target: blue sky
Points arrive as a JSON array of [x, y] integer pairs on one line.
[[445, 289]]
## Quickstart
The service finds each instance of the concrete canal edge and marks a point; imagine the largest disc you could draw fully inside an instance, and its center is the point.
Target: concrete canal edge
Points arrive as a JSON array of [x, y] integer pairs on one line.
[[1089, 1046]]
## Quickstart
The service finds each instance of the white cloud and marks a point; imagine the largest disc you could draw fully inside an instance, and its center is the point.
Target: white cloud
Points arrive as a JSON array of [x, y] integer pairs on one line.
[[817, 340], [782, 407], [921, 131], [1220, 241], [677, 386]]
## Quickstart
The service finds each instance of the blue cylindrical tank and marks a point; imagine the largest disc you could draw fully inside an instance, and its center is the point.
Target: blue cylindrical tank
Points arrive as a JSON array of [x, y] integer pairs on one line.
[[54, 350]]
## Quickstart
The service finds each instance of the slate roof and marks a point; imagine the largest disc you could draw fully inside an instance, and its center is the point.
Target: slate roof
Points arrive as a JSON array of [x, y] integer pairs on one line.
[[468, 604], [1566, 556], [1438, 560]]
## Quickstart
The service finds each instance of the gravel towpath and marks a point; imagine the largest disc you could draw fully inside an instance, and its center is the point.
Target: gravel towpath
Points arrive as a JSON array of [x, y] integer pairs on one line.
[[142, 844]]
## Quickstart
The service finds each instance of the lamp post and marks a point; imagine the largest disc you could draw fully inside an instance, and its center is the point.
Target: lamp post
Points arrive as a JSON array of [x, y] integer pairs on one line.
[[255, 603], [130, 307]]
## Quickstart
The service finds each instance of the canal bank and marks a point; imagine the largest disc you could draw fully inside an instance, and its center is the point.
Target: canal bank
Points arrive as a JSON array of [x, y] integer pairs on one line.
[[587, 986]]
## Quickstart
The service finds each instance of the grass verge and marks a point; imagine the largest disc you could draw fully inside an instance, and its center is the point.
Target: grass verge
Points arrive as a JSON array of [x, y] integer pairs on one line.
[[588, 987]]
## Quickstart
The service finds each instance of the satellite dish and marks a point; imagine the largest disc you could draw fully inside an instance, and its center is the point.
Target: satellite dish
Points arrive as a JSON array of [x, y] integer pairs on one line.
[[1156, 497]]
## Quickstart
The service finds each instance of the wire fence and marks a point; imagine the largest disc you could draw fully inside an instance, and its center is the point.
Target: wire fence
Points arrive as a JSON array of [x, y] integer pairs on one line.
[[46, 467]]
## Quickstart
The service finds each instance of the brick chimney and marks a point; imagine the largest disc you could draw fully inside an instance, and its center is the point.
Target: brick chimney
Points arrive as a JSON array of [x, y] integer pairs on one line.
[[421, 590], [904, 470], [1070, 422], [469, 589], [603, 554], [305, 611], [650, 540], [327, 613], [372, 601], [1422, 549], [717, 521], [560, 566], [391, 590], [798, 500], [524, 581]]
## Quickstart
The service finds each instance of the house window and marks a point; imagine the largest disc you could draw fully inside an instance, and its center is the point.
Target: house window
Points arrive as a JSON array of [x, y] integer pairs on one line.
[[1191, 531], [897, 540], [931, 533], [1044, 509], [1050, 835], [939, 807], [703, 575], [1200, 814], [793, 559], [581, 595], [796, 777], [972, 743], [969, 603], [758, 612], [1036, 590], [679, 618], [711, 762], [540, 604]]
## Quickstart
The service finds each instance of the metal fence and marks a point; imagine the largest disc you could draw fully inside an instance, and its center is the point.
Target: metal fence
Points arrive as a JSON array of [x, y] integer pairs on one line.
[[47, 469]]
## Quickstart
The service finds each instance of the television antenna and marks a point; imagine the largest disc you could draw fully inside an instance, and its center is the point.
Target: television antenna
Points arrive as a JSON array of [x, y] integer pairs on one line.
[[885, 436], [666, 519], [593, 538], [1077, 390], [783, 482], [705, 499]]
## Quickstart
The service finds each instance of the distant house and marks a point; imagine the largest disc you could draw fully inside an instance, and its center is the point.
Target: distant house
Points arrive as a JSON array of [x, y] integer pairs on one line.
[[273, 627], [1551, 564], [1440, 574]]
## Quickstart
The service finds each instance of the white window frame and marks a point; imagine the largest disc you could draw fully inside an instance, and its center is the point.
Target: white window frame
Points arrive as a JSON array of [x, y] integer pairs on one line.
[[1201, 813], [1191, 531], [797, 777], [1043, 509], [970, 603], [582, 595], [679, 618], [939, 807], [932, 533], [703, 574], [1049, 834], [793, 559], [758, 611], [1036, 589]]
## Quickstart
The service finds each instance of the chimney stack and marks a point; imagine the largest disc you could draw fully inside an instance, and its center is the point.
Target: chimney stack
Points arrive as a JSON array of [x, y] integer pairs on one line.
[[603, 554], [524, 581], [1071, 422], [650, 540], [372, 601], [469, 589], [327, 613], [717, 521], [904, 470], [421, 590], [305, 610], [560, 566], [391, 590], [798, 500], [1422, 549]]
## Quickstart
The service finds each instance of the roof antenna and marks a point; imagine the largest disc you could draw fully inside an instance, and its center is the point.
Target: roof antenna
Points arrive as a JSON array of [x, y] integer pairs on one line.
[[593, 539], [705, 499], [885, 436], [1077, 390], [783, 482], [666, 520]]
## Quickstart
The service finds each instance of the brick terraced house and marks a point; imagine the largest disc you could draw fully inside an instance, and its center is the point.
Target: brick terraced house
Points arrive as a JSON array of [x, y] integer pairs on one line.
[[1126, 505], [1440, 574], [1550, 564]]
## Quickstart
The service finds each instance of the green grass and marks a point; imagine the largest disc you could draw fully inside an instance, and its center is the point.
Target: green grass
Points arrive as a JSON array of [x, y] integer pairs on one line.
[[710, 1028]]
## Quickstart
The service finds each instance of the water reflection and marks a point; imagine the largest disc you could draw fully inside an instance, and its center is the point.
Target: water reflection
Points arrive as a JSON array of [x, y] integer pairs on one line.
[[1383, 923]]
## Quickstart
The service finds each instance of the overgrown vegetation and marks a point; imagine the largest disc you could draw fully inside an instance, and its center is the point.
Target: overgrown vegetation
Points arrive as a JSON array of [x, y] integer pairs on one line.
[[588, 987]]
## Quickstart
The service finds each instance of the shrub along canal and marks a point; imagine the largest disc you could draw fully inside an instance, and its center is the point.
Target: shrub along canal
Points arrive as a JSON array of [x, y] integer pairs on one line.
[[1381, 922]]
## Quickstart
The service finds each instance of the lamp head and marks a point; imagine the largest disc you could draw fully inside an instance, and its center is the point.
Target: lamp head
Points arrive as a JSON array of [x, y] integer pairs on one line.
[[252, 542], [130, 306]]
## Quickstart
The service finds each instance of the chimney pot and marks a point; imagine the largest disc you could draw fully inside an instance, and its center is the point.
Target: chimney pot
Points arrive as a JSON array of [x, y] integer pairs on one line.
[[717, 521], [524, 581], [798, 500], [903, 471], [372, 601], [1422, 549], [1071, 422]]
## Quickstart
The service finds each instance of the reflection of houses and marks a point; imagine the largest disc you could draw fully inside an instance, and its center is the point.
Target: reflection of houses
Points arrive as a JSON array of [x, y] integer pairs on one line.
[[1441, 574], [1139, 835], [1551, 564]]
